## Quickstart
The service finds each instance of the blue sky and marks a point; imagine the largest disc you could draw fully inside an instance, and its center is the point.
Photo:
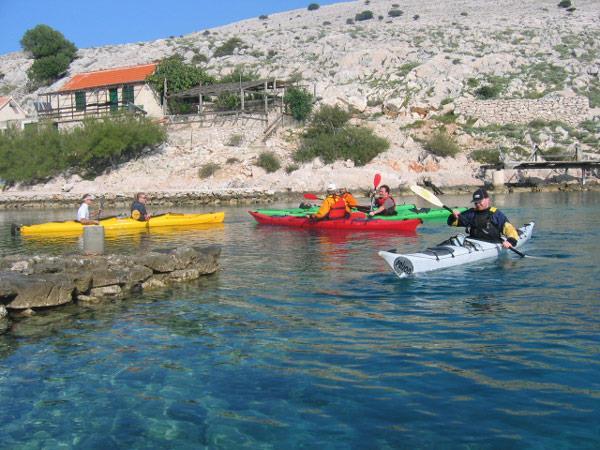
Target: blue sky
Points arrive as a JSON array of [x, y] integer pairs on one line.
[[93, 23]]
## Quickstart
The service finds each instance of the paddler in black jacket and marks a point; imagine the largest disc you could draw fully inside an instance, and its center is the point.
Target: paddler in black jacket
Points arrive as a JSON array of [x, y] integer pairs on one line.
[[484, 222]]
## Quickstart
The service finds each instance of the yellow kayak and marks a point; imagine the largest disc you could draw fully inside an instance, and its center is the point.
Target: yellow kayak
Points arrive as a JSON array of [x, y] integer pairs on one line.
[[116, 223]]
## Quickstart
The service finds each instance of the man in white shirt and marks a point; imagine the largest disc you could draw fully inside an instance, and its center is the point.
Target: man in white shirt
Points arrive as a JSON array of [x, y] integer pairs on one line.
[[83, 213]]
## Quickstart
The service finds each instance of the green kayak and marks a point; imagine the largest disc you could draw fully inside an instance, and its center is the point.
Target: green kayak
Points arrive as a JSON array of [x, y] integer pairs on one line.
[[406, 211]]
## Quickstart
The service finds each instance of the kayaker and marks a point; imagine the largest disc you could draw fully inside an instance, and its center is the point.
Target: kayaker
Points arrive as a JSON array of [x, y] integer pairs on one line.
[[386, 205], [348, 198], [138, 207], [484, 222], [333, 207], [83, 213]]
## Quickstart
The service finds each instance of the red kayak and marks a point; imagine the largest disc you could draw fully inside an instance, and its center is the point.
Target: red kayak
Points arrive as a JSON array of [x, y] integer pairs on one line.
[[357, 221]]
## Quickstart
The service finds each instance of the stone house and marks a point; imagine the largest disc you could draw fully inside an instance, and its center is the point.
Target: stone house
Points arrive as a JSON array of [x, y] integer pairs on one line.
[[101, 93], [11, 114]]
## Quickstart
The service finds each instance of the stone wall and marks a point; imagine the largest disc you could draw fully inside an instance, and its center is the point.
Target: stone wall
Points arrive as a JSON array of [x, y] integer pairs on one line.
[[27, 283], [571, 110]]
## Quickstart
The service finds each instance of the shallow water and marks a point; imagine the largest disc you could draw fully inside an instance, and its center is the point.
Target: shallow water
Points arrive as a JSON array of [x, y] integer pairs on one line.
[[307, 340]]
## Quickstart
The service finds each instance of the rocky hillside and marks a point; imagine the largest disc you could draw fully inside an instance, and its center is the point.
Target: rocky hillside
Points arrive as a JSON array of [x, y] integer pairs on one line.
[[470, 66]]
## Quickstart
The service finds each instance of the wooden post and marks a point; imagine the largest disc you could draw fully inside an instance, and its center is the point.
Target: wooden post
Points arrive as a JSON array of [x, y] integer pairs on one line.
[[200, 105], [242, 98], [266, 98], [165, 97]]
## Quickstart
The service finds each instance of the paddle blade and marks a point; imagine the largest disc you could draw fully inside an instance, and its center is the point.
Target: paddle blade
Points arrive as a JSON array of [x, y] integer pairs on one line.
[[376, 180], [311, 196], [426, 195]]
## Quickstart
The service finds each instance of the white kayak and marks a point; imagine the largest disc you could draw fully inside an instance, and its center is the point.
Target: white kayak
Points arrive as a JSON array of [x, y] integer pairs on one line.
[[453, 252]]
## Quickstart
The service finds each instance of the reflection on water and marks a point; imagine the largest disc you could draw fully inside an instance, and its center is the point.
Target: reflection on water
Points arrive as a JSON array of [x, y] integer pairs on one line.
[[306, 339]]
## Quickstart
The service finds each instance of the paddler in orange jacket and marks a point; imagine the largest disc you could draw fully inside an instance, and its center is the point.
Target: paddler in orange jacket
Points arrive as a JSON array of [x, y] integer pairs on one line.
[[333, 207], [348, 198]]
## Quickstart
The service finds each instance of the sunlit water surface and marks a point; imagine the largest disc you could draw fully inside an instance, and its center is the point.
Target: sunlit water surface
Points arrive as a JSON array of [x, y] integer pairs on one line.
[[306, 340]]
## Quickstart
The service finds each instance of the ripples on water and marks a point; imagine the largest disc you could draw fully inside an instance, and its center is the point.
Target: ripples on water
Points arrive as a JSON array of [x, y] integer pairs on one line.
[[306, 339]]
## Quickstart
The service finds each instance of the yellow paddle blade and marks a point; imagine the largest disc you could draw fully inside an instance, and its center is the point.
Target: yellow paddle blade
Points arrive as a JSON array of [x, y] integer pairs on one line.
[[426, 195]]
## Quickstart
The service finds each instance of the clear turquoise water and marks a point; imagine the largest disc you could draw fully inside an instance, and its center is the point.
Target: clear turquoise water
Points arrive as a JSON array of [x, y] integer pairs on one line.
[[307, 340]]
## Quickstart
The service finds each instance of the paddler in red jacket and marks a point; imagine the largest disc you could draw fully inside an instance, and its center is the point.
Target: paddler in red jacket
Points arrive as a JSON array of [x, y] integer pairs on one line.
[[333, 207], [386, 205]]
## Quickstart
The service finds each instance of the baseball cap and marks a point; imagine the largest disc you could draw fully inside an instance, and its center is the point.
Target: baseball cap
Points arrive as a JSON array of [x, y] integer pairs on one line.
[[479, 195]]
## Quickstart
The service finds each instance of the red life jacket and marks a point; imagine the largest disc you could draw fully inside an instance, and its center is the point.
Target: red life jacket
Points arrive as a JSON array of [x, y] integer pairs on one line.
[[391, 211], [338, 210]]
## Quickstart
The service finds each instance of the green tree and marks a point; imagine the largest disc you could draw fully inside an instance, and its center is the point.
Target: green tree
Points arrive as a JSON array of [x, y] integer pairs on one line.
[[299, 101], [179, 75], [45, 41], [52, 53]]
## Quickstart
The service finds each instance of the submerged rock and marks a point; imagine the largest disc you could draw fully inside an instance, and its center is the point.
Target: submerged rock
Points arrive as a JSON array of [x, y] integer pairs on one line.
[[27, 283]]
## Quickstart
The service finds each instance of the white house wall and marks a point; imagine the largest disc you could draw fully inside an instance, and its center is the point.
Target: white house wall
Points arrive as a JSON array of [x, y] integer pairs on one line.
[[11, 115]]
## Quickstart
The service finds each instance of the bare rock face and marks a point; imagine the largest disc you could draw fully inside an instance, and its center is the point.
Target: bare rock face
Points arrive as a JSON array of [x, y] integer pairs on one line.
[[41, 282]]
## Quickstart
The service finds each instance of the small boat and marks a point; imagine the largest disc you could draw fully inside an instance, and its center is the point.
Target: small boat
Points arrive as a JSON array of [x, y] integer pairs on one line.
[[119, 223], [406, 211], [357, 221], [453, 252]]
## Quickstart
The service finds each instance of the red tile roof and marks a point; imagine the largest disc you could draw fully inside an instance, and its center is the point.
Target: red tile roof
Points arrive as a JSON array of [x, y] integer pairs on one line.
[[4, 101], [109, 77]]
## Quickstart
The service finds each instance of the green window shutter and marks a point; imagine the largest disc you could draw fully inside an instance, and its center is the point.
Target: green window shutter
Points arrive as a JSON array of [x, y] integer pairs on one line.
[[80, 101], [113, 97], [128, 95]]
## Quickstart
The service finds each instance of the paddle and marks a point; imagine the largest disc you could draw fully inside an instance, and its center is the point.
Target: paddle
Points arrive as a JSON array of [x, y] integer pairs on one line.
[[426, 195], [311, 197]]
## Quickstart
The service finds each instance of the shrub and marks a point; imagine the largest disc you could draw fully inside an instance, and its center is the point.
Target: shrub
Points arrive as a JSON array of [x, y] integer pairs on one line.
[[40, 152], [328, 119], [313, 6], [208, 170], [365, 15], [486, 156], [355, 143], [416, 17], [446, 100], [464, 13], [441, 144], [349, 21], [564, 4], [232, 160], [555, 153], [291, 168], [199, 58], [235, 140], [228, 47], [299, 101], [330, 138], [395, 12], [263, 17], [487, 92], [268, 161], [445, 118], [52, 53]]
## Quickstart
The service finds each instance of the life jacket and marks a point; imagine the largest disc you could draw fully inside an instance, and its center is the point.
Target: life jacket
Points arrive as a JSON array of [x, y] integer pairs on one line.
[[339, 209], [483, 228], [391, 211]]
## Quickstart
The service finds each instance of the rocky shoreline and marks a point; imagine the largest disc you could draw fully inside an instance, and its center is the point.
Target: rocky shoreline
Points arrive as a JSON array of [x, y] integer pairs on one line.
[[33, 200], [40, 282]]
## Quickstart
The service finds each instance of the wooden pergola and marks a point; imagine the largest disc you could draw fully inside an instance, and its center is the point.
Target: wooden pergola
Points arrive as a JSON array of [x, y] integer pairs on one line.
[[256, 98]]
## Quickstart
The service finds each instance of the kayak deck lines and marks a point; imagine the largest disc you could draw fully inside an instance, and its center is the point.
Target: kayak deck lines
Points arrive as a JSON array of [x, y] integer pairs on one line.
[[452, 252]]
